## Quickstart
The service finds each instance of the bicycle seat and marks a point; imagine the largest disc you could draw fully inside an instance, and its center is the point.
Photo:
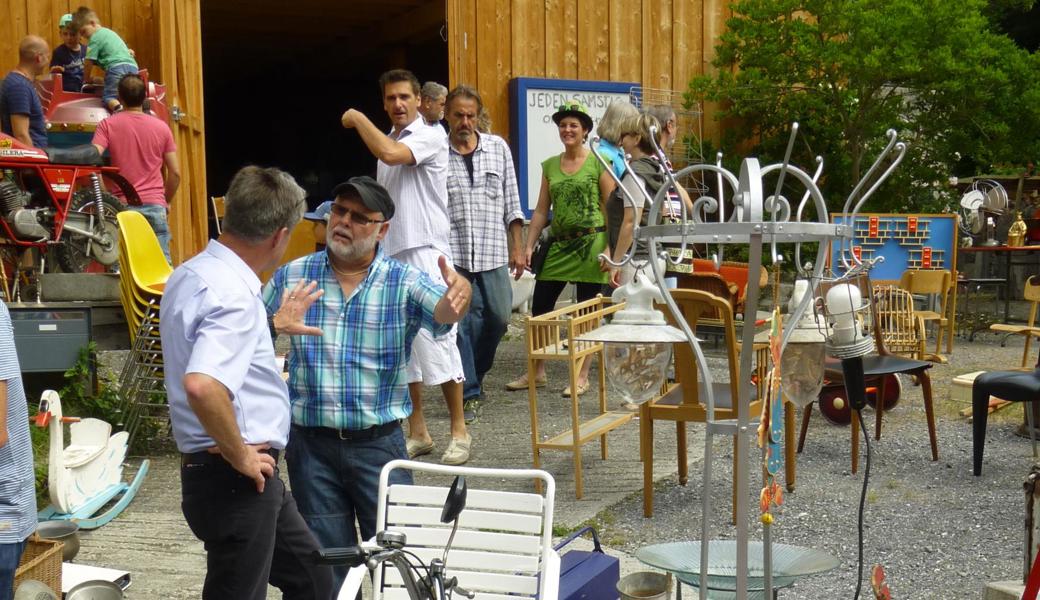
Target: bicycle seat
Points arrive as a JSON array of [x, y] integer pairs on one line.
[[77, 155]]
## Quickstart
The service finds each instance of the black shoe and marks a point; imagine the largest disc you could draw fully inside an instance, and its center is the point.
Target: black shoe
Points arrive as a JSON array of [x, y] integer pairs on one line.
[[470, 408]]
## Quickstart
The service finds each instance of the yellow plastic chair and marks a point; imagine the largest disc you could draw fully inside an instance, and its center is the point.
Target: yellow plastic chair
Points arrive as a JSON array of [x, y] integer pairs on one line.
[[143, 267], [143, 257]]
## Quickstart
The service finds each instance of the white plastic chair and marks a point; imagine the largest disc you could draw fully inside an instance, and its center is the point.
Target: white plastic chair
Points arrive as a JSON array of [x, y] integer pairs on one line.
[[503, 547]]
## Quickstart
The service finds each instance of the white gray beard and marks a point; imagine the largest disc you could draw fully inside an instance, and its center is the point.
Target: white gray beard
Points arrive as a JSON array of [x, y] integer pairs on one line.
[[357, 249]]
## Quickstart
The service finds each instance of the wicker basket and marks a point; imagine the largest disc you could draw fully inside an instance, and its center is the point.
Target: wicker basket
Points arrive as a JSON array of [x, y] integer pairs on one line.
[[40, 561]]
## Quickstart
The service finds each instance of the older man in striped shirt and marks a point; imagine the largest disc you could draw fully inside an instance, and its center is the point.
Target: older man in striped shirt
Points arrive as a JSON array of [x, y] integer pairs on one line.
[[413, 165], [484, 204]]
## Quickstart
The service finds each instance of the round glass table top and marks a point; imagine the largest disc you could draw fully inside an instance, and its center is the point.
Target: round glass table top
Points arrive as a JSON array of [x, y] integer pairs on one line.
[[684, 560]]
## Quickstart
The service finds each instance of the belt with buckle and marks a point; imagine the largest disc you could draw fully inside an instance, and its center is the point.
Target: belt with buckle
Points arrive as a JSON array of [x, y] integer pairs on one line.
[[352, 435], [210, 458]]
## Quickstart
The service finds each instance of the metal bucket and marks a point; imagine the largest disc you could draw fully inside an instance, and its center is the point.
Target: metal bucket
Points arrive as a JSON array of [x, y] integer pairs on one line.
[[66, 532], [645, 585]]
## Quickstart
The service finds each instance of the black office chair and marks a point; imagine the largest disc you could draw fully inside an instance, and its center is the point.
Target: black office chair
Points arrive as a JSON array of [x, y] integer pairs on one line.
[[1013, 386]]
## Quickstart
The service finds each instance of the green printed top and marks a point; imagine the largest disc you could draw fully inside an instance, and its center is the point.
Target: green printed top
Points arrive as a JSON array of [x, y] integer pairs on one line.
[[575, 208], [107, 49]]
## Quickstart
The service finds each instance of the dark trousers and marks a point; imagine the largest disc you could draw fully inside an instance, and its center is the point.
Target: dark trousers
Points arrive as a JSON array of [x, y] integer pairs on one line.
[[251, 539], [546, 293]]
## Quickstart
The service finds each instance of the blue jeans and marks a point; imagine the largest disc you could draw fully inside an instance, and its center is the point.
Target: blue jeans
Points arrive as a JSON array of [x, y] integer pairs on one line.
[[482, 328], [336, 482], [10, 555], [156, 216], [112, 77]]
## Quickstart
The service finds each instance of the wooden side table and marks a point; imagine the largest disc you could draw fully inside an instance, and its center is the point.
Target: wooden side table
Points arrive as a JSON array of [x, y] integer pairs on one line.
[[553, 336]]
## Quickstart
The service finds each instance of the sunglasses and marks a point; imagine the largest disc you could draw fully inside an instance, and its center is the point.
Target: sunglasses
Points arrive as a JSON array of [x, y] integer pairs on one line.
[[573, 106], [355, 217]]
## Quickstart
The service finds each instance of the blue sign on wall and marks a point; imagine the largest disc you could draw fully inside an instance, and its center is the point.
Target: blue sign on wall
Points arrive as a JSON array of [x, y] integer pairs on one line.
[[534, 135], [906, 242]]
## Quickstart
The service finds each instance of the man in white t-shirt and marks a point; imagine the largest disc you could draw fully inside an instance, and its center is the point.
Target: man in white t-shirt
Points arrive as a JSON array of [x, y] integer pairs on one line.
[[413, 167]]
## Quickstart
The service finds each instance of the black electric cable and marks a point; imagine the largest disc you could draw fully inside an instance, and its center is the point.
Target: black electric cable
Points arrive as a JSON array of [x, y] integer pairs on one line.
[[862, 502]]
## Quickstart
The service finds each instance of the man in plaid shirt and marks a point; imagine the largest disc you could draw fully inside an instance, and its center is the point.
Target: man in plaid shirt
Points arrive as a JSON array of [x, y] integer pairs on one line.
[[348, 387], [484, 206]]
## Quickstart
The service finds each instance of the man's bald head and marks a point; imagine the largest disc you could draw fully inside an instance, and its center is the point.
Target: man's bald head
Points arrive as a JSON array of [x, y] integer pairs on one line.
[[34, 54], [30, 47]]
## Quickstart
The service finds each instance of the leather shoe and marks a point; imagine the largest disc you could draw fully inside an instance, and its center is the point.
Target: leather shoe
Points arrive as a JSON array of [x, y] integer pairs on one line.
[[458, 451], [418, 447]]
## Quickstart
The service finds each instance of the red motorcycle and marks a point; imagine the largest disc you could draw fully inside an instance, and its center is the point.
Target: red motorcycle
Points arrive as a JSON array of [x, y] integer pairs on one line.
[[55, 203]]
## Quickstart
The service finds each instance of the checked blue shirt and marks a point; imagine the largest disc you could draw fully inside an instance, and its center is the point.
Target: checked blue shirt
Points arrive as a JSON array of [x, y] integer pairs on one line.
[[353, 377]]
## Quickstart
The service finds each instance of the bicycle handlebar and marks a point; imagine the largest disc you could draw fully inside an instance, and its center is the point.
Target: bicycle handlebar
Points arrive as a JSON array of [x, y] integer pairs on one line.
[[372, 555], [352, 556]]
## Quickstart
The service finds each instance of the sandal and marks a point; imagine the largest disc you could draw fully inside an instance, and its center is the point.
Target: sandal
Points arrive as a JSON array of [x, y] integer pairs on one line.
[[520, 383], [582, 389]]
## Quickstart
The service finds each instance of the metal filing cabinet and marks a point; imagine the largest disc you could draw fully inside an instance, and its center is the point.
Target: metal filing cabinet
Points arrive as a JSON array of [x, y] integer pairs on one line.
[[49, 339]]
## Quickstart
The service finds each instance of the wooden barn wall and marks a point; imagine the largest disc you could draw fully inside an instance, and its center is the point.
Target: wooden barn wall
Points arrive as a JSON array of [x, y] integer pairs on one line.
[[658, 43], [165, 36], [135, 20]]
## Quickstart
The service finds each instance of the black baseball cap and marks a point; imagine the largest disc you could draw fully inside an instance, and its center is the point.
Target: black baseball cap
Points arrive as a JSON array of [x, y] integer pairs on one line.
[[371, 194]]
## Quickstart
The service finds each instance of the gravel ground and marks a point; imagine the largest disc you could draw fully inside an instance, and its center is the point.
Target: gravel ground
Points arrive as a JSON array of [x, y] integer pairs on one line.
[[938, 531]]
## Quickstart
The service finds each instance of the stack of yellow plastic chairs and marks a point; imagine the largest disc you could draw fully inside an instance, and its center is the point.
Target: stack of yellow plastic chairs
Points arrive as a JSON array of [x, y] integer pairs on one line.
[[143, 272]]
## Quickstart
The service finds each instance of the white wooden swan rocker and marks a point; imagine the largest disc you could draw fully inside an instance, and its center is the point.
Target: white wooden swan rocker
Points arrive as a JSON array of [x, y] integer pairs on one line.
[[86, 476]]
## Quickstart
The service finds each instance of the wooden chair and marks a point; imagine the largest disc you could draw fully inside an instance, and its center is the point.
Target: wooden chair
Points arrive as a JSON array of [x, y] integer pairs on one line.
[[1031, 292], [939, 283], [902, 327], [680, 402], [875, 369], [217, 204], [503, 546], [713, 283]]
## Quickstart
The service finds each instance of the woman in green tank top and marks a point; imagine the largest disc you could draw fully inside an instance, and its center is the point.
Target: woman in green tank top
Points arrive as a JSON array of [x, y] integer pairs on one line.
[[574, 188]]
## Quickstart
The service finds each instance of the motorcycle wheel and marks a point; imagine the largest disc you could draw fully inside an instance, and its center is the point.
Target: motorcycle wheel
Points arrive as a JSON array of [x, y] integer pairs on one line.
[[72, 254]]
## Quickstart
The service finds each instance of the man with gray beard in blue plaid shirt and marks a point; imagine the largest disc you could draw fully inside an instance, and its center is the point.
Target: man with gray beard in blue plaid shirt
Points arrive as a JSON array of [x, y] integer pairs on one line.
[[348, 389]]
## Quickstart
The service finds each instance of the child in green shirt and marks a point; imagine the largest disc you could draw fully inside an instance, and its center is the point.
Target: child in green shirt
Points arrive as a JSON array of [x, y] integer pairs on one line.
[[106, 50]]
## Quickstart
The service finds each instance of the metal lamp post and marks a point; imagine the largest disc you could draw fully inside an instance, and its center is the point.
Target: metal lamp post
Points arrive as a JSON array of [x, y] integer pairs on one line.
[[756, 220]]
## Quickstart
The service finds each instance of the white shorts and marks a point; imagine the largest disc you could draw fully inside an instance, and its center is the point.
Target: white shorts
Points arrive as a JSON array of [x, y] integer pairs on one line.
[[434, 360]]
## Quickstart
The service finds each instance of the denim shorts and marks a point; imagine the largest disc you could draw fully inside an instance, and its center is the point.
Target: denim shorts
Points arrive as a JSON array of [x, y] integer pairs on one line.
[[112, 77]]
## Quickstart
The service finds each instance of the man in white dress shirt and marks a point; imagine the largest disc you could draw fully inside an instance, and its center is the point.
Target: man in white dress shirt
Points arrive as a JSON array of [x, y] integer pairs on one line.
[[413, 167], [229, 407]]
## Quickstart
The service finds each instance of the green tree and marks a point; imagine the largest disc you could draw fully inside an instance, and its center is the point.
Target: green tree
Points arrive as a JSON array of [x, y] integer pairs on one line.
[[963, 95]]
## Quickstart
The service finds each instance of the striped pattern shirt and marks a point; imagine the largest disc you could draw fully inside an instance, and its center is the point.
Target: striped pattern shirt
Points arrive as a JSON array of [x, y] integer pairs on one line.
[[353, 377], [419, 191], [17, 480], [482, 205]]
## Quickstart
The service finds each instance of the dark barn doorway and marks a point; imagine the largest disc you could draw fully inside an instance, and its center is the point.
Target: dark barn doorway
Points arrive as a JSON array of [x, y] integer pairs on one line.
[[278, 75]]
